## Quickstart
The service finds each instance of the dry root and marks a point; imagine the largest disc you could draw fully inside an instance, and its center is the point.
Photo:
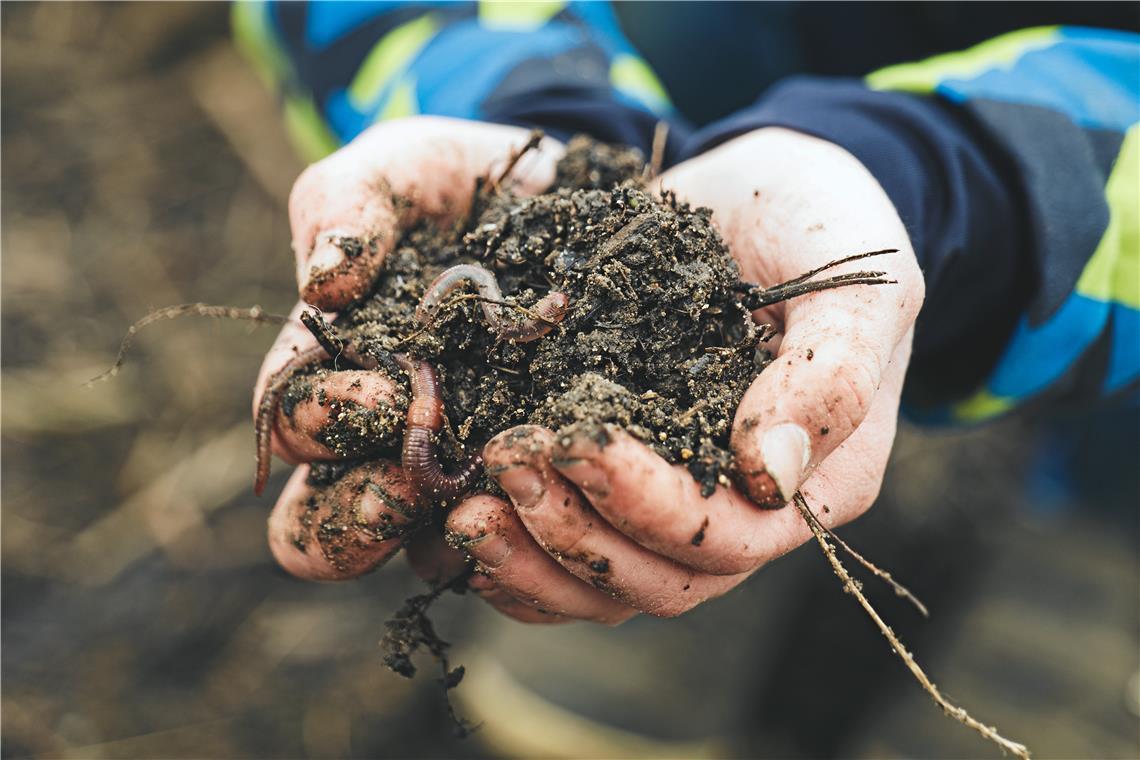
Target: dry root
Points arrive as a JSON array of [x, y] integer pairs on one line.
[[959, 714], [254, 314]]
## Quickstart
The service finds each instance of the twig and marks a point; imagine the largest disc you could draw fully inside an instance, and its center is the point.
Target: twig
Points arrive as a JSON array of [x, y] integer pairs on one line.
[[532, 143], [254, 314], [756, 297], [851, 587], [899, 589], [324, 333], [657, 155]]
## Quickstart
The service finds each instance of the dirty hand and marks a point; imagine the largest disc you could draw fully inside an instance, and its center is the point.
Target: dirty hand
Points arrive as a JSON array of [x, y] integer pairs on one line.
[[602, 527], [346, 213]]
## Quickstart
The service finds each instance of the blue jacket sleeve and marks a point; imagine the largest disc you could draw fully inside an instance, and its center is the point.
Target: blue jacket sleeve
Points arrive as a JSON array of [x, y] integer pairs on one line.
[[565, 67], [1014, 166]]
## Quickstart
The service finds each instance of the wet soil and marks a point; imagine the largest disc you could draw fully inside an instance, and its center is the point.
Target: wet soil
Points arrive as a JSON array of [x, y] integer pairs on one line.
[[654, 340]]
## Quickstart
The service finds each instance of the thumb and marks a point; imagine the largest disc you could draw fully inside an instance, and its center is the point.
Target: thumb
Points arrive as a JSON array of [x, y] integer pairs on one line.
[[348, 210], [806, 403]]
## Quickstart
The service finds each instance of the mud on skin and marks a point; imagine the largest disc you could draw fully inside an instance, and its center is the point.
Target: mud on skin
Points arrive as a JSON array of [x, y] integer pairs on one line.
[[653, 338]]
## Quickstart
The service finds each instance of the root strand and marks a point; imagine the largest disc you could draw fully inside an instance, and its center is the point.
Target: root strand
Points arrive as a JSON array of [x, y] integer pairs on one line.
[[254, 314], [851, 587]]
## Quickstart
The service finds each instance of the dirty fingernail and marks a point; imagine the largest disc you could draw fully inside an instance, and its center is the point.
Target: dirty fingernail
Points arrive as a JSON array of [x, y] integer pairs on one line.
[[786, 450], [523, 484], [490, 549], [326, 256]]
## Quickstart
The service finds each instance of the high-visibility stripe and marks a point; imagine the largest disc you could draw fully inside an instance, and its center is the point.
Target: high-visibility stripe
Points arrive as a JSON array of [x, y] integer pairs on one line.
[[632, 76], [519, 15], [389, 57], [1113, 272], [924, 76]]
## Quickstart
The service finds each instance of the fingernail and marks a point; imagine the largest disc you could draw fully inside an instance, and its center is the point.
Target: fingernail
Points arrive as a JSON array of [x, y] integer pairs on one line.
[[326, 256], [490, 549], [786, 450], [586, 474], [523, 484]]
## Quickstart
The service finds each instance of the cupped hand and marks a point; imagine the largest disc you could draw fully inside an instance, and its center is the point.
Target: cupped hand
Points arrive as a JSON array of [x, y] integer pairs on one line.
[[346, 213], [600, 527]]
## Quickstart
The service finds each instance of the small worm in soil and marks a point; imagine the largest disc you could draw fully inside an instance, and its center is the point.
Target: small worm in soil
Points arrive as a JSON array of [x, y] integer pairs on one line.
[[548, 312], [267, 410], [425, 419]]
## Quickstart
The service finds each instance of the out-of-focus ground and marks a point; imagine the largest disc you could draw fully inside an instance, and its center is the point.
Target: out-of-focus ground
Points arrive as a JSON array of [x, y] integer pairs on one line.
[[143, 165]]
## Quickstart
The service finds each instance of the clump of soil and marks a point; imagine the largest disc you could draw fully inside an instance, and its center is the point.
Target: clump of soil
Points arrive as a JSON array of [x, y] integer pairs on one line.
[[655, 338]]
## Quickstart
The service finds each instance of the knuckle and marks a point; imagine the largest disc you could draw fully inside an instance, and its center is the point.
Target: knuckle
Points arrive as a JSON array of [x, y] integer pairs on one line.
[[856, 377]]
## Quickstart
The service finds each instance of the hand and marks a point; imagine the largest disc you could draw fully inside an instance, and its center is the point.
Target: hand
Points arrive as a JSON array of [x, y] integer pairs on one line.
[[603, 531], [346, 213]]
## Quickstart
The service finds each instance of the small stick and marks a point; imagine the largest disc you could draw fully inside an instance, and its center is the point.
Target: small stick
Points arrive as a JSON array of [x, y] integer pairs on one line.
[[657, 155], [253, 314], [756, 297], [324, 333], [532, 143], [851, 587]]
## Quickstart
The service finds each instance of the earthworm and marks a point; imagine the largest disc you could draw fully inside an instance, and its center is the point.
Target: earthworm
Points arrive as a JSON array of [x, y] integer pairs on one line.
[[425, 420], [548, 312], [267, 410]]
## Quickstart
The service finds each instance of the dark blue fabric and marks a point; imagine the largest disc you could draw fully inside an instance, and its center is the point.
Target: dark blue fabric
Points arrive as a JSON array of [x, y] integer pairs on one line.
[[957, 195], [565, 113]]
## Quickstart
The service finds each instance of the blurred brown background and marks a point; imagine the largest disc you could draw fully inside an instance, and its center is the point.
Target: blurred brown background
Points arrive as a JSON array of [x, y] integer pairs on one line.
[[144, 165]]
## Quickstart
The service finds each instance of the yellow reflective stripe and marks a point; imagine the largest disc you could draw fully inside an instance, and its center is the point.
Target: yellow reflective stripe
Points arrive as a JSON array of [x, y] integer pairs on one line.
[[924, 76], [402, 102], [981, 406], [1113, 272], [520, 16], [255, 39], [391, 55], [310, 135], [632, 76]]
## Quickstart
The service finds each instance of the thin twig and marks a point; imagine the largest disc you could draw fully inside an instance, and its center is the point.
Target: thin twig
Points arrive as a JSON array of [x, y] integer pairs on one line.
[[760, 297], [832, 264], [254, 314], [851, 587], [532, 143], [324, 333], [657, 155], [756, 296]]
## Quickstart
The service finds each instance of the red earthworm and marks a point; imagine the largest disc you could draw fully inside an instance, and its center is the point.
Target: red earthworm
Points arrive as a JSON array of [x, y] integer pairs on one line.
[[548, 312], [267, 409], [425, 419]]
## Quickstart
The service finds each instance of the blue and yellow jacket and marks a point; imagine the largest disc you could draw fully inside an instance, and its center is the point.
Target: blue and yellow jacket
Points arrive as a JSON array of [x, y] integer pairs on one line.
[[1015, 165]]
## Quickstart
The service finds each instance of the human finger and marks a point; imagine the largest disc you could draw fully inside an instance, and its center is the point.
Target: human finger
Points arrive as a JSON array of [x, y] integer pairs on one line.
[[348, 210], [342, 530], [815, 394], [329, 415], [569, 530], [490, 531], [660, 506]]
